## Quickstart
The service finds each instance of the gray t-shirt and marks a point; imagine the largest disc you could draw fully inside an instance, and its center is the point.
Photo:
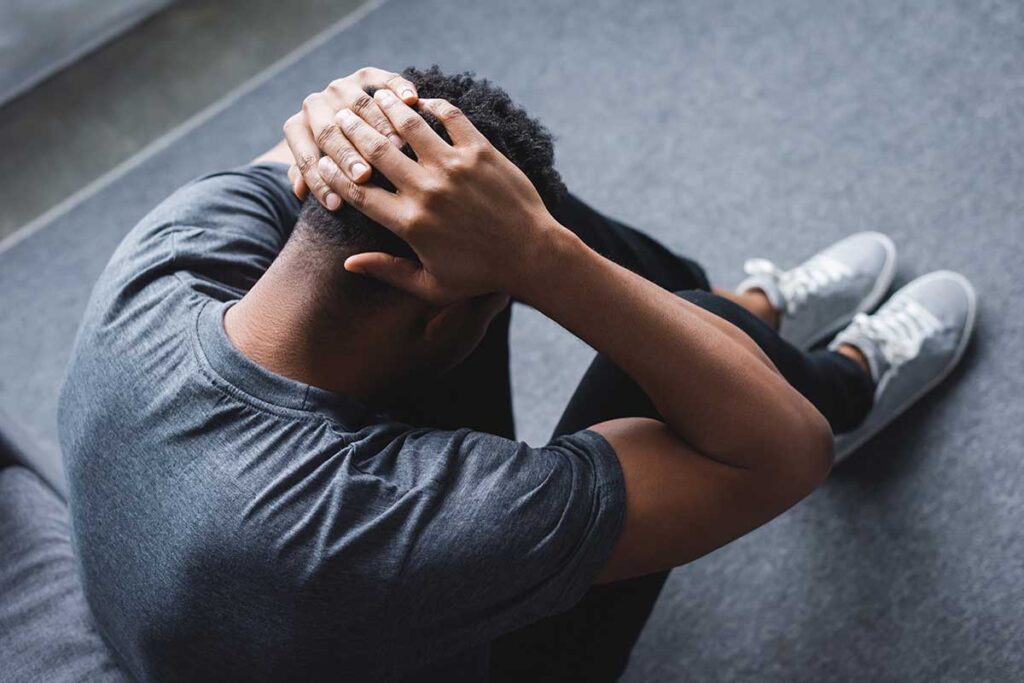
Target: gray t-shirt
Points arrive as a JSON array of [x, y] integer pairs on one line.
[[236, 524]]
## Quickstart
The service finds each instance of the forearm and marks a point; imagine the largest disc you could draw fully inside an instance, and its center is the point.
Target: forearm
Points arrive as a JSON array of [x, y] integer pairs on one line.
[[279, 153], [713, 386]]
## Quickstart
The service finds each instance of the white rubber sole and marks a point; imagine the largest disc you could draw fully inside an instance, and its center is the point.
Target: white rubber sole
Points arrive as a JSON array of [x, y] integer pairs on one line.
[[972, 311]]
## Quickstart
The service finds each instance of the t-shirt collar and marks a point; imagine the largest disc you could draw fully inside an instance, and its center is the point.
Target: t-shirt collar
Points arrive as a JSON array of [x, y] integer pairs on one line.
[[245, 375]]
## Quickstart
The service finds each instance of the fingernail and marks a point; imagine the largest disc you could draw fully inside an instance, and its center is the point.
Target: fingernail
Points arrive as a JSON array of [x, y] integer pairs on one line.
[[358, 169], [396, 141], [408, 94], [384, 95], [332, 201], [327, 166], [345, 114]]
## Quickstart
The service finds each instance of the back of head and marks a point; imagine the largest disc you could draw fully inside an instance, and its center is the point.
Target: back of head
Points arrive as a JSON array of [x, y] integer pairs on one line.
[[523, 140]]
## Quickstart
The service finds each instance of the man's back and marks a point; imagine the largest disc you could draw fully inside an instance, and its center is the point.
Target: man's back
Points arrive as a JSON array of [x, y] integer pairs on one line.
[[231, 521]]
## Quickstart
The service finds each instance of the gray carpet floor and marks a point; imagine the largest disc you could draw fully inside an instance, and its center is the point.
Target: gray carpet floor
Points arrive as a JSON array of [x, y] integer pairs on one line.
[[728, 130]]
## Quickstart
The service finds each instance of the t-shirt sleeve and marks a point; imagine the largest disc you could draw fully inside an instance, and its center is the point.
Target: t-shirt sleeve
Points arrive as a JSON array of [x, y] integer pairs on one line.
[[220, 233], [502, 535]]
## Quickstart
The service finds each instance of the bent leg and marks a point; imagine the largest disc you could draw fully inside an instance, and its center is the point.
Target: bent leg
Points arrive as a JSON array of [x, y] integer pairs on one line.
[[593, 640], [630, 248], [836, 385]]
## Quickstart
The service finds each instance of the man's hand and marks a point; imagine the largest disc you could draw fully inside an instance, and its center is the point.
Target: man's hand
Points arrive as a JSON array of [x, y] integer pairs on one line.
[[472, 217], [313, 130]]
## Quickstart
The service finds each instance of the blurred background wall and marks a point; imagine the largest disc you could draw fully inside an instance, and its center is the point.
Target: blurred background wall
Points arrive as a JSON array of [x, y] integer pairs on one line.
[[108, 94], [38, 37]]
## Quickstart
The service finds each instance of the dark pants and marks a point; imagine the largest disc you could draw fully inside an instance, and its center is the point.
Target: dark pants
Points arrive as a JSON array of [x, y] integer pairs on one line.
[[592, 641]]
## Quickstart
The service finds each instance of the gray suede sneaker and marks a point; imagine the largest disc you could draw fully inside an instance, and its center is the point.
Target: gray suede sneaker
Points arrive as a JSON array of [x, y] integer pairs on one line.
[[820, 296], [911, 344]]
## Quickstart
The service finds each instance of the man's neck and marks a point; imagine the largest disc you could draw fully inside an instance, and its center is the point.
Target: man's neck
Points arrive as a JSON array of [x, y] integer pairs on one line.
[[282, 325]]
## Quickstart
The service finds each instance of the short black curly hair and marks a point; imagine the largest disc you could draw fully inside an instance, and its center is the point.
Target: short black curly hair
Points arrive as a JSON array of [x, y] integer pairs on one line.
[[522, 139]]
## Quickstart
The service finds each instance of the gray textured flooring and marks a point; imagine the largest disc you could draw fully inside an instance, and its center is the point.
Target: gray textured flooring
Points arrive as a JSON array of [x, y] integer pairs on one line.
[[728, 130], [88, 118]]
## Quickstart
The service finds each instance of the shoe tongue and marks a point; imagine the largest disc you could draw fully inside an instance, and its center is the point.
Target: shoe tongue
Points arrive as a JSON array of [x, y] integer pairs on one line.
[[877, 362], [770, 287]]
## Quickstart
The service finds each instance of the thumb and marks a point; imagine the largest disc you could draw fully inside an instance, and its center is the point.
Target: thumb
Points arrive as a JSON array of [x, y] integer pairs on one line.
[[401, 273]]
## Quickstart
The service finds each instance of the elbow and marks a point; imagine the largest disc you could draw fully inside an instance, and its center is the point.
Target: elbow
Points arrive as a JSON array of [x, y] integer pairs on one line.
[[805, 452]]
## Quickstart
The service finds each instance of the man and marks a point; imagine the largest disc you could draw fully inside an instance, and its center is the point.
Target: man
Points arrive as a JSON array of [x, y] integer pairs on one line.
[[288, 428]]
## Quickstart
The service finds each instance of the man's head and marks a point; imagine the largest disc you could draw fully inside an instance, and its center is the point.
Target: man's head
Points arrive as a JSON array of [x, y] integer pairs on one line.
[[453, 331]]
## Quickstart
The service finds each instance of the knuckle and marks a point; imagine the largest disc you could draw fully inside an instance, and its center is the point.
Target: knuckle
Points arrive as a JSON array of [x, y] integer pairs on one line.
[[377, 148], [327, 136], [362, 104], [433, 191], [410, 124], [364, 73], [414, 220], [350, 126], [330, 178], [355, 194], [306, 163], [348, 156], [429, 186], [417, 217], [292, 122], [481, 153], [457, 165], [447, 111], [310, 100]]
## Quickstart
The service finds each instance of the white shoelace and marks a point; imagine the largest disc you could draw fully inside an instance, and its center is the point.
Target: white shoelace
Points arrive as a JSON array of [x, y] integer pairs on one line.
[[898, 329], [798, 284]]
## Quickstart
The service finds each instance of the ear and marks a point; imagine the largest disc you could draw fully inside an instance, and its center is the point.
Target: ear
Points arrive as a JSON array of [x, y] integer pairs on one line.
[[442, 320]]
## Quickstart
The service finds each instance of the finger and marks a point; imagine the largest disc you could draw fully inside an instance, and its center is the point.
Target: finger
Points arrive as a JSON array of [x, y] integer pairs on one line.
[[401, 273], [404, 88], [377, 203], [298, 184], [376, 149], [460, 129], [330, 140], [379, 78], [345, 93], [304, 149], [411, 126]]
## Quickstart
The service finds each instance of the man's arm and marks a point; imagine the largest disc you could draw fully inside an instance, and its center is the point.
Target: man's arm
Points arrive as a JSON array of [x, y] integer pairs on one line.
[[278, 154], [738, 445]]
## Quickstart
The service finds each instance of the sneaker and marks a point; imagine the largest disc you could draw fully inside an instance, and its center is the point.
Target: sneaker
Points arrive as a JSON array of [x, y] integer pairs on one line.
[[820, 296], [911, 344]]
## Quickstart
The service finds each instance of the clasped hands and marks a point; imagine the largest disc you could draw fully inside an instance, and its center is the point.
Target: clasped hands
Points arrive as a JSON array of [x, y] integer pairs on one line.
[[474, 220]]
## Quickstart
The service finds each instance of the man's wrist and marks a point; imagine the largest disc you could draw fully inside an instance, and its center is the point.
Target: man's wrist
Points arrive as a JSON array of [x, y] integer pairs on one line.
[[546, 261]]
